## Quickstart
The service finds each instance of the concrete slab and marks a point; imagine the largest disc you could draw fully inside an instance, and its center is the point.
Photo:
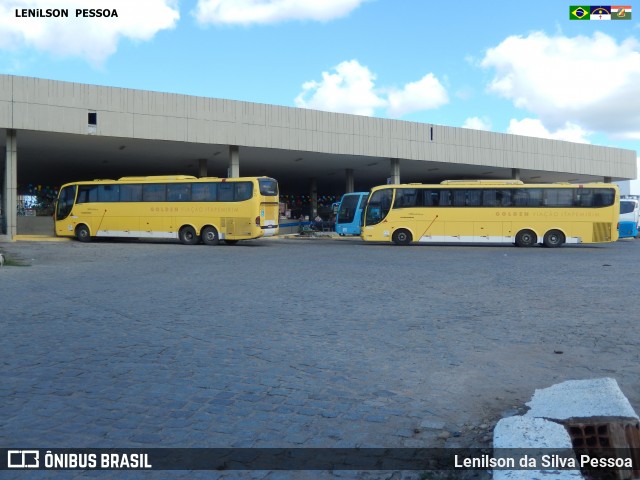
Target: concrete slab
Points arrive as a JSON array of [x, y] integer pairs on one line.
[[597, 397], [532, 433]]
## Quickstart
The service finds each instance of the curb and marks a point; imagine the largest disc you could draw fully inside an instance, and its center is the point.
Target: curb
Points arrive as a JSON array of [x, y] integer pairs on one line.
[[40, 238]]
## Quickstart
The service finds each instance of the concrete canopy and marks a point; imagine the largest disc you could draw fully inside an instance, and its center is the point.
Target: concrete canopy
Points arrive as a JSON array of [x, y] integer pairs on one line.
[[150, 133], [55, 158]]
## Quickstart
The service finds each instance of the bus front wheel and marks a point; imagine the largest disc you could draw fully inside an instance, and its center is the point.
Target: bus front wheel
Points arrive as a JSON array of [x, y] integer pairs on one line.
[[526, 238], [210, 236], [188, 235], [82, 233], [402, 237], [553, 239]]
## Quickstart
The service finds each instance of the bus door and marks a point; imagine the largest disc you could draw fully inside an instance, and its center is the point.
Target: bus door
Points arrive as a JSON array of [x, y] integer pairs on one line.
[[64, 205], [507, 231]]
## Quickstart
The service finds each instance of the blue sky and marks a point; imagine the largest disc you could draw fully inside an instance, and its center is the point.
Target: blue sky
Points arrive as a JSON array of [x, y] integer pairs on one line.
[[504, 66]]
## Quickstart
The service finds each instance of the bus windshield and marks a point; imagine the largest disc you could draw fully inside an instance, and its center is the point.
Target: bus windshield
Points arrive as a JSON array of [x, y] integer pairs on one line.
[[347, 209], [627, 206], [349, 213], [378, 206]]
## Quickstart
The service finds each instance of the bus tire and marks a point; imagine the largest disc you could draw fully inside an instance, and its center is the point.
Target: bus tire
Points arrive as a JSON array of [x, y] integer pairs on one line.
[[526, 238], [210, 236], [402, 237], [553, 239], [231, 242], [82, 233], [188, 235]]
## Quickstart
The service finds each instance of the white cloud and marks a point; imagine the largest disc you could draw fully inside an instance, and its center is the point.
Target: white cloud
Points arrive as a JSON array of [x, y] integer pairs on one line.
[[477, 123], [93, 39], [246, 12], [533, 127], [588, 81], [425, 94], [351, 89]]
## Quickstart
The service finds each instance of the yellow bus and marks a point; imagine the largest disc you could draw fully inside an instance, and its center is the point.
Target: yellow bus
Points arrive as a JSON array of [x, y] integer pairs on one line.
[[492, 211], [180, 207]]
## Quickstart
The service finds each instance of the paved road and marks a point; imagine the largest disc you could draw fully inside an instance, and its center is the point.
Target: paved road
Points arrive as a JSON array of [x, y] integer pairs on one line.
[[301, 343]]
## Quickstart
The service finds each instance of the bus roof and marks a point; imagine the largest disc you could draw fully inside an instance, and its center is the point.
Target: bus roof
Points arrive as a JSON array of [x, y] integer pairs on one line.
[[489, 183], [482, 182], [165, 178], [156, 178]]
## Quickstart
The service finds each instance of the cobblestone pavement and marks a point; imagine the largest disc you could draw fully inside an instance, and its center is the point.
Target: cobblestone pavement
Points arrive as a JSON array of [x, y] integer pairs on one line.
[[300, 343]]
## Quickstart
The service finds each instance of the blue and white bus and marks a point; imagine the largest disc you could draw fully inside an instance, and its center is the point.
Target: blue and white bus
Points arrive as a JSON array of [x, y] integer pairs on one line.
[[629, 223], [350, 213]]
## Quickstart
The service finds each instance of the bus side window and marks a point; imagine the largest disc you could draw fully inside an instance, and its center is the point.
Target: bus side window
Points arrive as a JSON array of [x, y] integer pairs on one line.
[[225, 192], [558, 197], [459, 198], [243, 191], [154, 192], [87, 194], [504, 198], [535, 197], [406, 197], [430, 198], [597, 200], [108, 193], [445, 198], [83, 194], [603, 197], [473, 197], [204, 192], [609, 197], [131, 193], [520, 198], [584, 197], [179, 192], [489, 198]]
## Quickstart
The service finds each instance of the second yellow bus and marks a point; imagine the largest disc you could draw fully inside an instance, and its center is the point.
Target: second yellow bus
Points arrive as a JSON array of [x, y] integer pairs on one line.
[[492, 211]]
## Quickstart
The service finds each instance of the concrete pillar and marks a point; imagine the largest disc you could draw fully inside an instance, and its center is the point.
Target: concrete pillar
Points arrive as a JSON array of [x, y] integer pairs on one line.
[[607, 179], [203, 168], [10, 193], [395, 171], [313, 193], [348, 180], [234, 162], [515, 174]]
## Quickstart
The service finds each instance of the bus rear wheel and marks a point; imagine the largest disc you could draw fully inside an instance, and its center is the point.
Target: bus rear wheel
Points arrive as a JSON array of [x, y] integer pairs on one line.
[[188, 235], [210, 236], [553, 239], [402, 237], [526, 238], [83, 234]]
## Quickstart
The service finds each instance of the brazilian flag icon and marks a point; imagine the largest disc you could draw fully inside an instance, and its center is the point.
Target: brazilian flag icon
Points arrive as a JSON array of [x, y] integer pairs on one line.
[[579, 12]]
